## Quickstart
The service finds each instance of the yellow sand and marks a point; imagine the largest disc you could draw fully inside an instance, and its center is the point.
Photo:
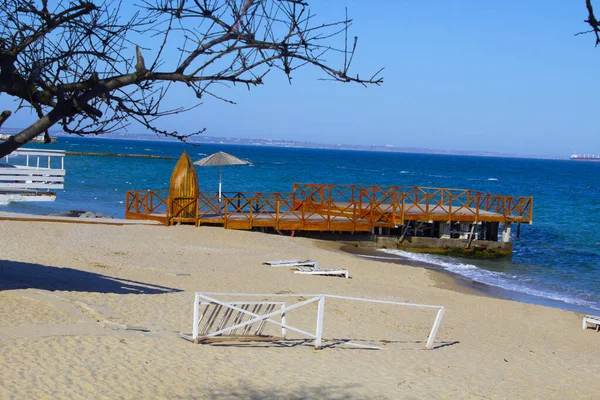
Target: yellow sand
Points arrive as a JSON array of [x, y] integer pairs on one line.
[[67, 291]]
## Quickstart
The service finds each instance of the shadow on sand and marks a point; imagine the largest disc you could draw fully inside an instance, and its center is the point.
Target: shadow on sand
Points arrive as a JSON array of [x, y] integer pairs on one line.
[[20, 275], [416, 345], [246, 391]]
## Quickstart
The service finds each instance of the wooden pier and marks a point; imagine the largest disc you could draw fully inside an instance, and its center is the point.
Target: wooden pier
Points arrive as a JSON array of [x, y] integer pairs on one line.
[[333, 208]]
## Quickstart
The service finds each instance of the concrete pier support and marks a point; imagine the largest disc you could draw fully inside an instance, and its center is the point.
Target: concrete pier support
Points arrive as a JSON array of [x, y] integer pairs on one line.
[[491, 231], [506, 228], [444, 230]]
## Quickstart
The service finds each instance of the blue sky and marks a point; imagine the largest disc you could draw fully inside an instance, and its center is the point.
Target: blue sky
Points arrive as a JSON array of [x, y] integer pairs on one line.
[[502, 76]]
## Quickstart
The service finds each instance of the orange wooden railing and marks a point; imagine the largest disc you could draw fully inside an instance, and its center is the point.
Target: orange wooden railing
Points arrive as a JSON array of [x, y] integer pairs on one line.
[[153, 205], [332, 207], [420, 203]]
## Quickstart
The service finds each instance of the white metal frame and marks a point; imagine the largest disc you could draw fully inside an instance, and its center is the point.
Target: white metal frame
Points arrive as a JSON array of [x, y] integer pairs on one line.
[[202, 298]]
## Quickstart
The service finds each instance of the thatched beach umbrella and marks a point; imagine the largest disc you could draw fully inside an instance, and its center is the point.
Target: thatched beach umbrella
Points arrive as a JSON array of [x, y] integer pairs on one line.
[[219, 159]]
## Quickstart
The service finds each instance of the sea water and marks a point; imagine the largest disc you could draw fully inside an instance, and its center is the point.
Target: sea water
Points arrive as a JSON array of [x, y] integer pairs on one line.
[[556, 260]]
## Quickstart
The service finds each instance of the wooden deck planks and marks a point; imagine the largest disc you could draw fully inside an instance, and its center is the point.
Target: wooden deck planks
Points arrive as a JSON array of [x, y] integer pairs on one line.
[[334, 221]]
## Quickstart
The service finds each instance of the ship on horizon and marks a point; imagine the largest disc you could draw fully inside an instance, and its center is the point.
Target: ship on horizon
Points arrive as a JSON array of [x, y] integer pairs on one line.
[[584, 157]]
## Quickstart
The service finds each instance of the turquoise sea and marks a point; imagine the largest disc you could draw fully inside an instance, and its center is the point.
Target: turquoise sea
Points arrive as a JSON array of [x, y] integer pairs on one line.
[[556, 260]]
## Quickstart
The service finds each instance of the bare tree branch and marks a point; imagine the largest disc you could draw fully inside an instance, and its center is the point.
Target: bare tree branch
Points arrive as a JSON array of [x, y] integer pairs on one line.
[[4, 116], [591, 21], [81, 65]]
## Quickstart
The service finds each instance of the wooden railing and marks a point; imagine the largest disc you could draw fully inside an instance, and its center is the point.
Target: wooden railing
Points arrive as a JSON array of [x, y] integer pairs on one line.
[[148, 204], [332, 207], [419, 203]]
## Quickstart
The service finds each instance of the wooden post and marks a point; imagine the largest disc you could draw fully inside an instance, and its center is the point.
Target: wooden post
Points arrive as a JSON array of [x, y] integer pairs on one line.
[[251, 215], [277, 205], [402, 215], [434, 329], [530, 210], [283, 322], [196, 316], [354, 214], [404, 231], [329, 201], [320, 311], [169, 210], [471, 235]]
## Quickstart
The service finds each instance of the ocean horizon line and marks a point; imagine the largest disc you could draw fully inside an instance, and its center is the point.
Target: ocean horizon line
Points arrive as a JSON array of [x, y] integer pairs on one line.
[[285, 143]]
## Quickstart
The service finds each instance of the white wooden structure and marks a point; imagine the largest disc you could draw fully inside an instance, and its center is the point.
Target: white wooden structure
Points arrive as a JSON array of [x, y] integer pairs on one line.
[[292, 263], [31, 175], [323, 271], [591, 320], [308, 267], [245, 319]]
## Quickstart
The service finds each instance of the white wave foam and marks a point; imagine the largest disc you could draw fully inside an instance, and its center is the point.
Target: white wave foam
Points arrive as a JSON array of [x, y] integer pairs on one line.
[[492, 179], [377, 257], [499, 279]]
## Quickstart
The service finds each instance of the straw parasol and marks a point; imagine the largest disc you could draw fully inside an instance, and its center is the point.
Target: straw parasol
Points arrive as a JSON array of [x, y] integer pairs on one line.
[[220, 159]]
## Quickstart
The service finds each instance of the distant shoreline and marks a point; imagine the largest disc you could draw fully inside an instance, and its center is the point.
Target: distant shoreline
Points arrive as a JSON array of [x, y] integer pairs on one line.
[[96, 154], [321, 146], [200, 139]]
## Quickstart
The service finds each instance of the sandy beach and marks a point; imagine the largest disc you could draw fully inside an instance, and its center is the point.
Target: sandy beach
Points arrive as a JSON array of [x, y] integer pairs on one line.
[[95, 311]]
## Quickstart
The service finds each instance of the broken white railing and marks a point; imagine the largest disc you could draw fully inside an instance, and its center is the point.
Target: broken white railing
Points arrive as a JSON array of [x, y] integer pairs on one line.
[[246, 320]]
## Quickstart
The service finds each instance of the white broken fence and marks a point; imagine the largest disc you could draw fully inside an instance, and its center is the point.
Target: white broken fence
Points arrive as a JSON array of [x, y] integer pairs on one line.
[[246, 320]]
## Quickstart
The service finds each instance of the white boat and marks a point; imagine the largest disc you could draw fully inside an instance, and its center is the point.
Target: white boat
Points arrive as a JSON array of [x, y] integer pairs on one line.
[[585, 157], [32, 175]]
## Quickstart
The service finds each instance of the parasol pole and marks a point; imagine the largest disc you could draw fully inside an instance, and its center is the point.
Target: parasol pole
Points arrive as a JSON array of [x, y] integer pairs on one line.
[[220, 179]]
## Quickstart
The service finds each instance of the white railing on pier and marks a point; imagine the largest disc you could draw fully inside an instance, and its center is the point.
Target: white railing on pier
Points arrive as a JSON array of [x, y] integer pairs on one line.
[[33, 169]]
